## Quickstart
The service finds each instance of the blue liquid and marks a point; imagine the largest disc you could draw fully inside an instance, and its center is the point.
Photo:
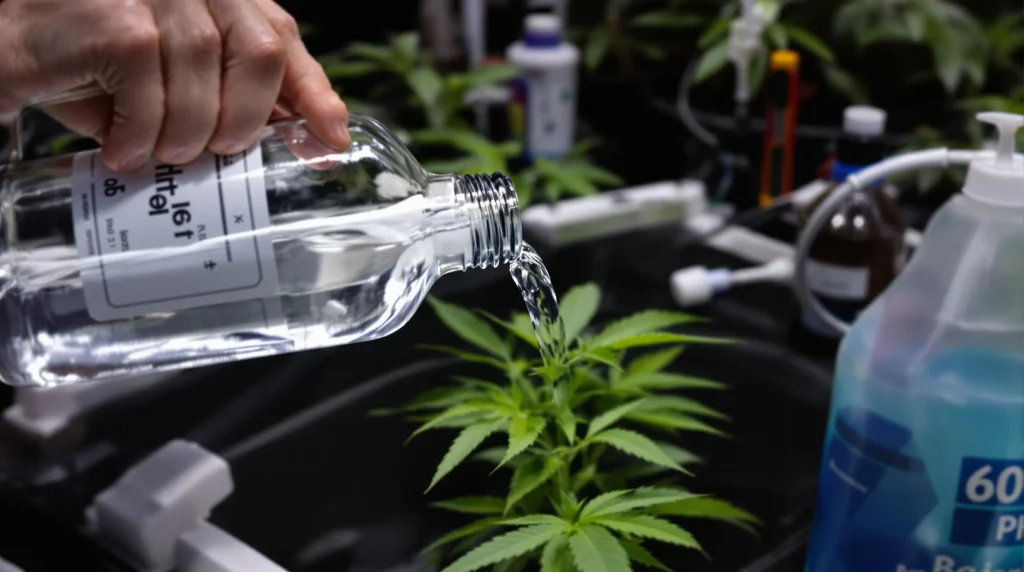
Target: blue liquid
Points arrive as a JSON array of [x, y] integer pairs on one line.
[[924, 466]]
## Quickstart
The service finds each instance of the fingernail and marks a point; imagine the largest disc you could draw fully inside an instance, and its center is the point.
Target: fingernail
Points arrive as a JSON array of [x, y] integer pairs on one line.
[[339, 133], [179, 155], [228, 147], [133, 162]]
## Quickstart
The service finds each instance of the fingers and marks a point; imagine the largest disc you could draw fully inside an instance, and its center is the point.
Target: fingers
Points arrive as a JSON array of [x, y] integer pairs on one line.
[[305, 85], [253, 68], [190, 45], [135, 80], [88, 117]]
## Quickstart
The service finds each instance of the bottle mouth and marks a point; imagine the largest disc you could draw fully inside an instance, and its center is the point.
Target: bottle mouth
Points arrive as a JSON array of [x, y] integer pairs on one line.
[[496, 230]]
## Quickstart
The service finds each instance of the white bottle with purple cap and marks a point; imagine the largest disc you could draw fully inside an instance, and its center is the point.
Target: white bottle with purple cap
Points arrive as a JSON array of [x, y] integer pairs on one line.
[[547, 89]]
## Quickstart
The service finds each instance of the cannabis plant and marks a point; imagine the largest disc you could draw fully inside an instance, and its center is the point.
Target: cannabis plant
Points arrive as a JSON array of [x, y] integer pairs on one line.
[[625, 33], [780, 34], [954, 36], [574, 174], [592, 477], [406, 69]]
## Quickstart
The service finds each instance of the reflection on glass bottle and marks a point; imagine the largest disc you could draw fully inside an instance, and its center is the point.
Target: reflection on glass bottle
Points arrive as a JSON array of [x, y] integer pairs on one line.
[[286, 247]]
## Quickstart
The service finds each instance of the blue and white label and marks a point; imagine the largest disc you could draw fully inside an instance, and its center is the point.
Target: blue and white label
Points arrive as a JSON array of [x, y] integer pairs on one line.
[[881, 507], [990, 503]]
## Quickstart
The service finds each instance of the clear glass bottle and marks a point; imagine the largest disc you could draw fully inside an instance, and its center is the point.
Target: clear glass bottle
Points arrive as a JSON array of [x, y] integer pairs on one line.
[[287, 247]]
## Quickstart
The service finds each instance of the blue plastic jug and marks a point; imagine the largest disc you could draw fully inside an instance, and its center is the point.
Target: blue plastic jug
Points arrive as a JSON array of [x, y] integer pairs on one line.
[[923, 467]]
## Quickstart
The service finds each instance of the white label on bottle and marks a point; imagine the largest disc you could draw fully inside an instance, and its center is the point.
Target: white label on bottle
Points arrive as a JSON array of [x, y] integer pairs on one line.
[[167, 238], [837, 282], [551, 102]]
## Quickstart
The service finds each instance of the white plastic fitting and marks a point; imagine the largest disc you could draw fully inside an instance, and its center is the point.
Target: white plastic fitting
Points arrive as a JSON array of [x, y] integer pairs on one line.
[[745, 37], [43, 412], [6, 566], [697, 285], [608, 214], [155, 514], [908, 162]]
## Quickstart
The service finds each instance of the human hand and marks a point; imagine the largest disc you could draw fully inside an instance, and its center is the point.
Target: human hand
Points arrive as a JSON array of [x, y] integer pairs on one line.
[[182, 75]]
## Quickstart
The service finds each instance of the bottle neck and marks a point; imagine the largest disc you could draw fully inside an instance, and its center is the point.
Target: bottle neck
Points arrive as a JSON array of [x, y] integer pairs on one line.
[[482, 229]]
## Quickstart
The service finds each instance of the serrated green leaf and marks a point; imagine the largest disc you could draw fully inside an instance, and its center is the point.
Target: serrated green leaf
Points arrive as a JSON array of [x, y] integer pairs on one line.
[[487, 75], [567, 423], [679, 455], [635, 444], [708, 508], [664, 380], [777, 36], [468, 440], [618, 502], [465, 324], [592, 172], [467, 165], [486, 152], [522, 433], [427, 84], [680, 405], [809, 42], [611, 417], [556, 556], [605, 356], [713, 61], [536, 519], [529, 476], [715, 33], [594, 549], [662, 338], [476, 527], [443, 397], [380, 54], [483, 408], [845, 84], [640, 323], [572, 181], [674, 421], [506, 546], [637, 553], [522, 330], [653, 362], [406, 44], [596, 48], [650, 527], [597, 503], [467, 356], [473, 505], [578, 307], [667, 20], [494, 455], [343, 69]]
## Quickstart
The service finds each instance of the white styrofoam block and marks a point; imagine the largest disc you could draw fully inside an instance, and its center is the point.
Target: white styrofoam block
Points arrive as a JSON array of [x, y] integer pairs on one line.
[[608, 214], [207, 548], [158, 500], [42, 412]]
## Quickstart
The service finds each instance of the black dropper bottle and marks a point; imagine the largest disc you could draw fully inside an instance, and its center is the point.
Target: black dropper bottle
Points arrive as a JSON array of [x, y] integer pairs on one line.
[[861, 249]]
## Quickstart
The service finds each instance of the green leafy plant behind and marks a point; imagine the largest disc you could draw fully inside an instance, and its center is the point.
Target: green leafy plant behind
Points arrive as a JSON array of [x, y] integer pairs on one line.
[[781, 34], [586, 446], [573, 175], [626, 33], [956, 39], [407, 69]]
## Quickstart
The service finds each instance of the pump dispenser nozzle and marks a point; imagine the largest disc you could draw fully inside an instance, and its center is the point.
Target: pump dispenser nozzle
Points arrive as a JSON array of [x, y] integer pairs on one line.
[[1000, 179]]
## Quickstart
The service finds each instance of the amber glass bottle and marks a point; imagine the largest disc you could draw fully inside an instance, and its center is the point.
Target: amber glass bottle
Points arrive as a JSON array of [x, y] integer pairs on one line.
[[861, 250]]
